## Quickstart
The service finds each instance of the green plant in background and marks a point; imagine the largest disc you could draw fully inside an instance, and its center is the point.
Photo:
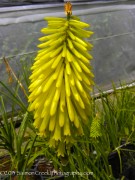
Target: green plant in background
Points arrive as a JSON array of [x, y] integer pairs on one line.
[[15, 141], [118, 115], [117, 123], [61, 80]]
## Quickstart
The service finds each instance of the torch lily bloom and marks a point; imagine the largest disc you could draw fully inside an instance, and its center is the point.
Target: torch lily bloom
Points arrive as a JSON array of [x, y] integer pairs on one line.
[[61, 80]]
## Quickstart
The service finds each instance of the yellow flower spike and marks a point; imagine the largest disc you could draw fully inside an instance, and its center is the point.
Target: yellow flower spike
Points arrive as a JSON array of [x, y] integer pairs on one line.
[[61, 81]]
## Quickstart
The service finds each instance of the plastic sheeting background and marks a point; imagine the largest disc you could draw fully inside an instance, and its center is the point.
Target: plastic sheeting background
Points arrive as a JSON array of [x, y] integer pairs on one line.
[[114, 37]]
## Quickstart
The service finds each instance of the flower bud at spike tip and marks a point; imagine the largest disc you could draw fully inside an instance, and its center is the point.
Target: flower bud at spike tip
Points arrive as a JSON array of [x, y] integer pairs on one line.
[[61, 81], [68, 9]]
